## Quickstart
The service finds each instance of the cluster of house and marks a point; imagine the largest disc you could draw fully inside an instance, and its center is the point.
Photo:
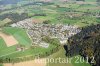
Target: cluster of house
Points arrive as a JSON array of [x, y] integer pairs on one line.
[[37, 31]]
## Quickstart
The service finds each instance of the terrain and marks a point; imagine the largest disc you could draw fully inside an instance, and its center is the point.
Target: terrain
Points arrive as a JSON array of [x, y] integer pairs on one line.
[[49, 29], [86, 43]]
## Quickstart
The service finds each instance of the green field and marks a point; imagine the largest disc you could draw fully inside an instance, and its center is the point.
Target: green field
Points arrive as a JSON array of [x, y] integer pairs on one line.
[[61, 54], [69, 13], [53, 12], [1, 65], [2, 44], [20, 35], [23, 39]]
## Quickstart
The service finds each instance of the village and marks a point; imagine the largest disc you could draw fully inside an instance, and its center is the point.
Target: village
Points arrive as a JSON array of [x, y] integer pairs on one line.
[[37, 31]]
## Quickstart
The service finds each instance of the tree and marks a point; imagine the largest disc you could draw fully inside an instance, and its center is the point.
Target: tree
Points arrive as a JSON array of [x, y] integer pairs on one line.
[[57, 6], [86, 43]]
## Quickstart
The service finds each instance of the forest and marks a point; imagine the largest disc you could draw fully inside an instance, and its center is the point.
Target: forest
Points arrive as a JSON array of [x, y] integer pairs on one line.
[[86, 43]]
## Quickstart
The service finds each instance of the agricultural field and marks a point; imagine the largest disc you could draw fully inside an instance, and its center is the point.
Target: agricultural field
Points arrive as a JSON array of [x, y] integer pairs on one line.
[[20, 35], [1, 65], [23, 39], [55, 13], [61, 54], [16, 45]]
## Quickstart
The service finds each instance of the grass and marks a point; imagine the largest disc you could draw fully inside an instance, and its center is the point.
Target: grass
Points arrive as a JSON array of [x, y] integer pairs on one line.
[[77, 61], [1, 65], [86, 22], [23, 39], [29, 52], [61, 54], [2, 44], [52, 13], [98, 20], [19, 34], [63, 9], [90, 0], [7, 50], [57, 11]]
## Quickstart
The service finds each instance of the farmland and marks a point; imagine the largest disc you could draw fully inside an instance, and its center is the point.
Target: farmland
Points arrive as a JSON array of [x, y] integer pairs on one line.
[[19, 34], [36, 22], [66, 13], [23, 39], [61, 54]]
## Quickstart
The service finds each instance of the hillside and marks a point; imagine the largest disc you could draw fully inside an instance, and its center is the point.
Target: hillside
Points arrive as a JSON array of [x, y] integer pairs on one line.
[[87, 44]]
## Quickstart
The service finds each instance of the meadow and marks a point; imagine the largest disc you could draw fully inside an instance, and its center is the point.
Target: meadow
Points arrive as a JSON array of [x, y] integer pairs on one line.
[[61, 54], [24, 40], [57, 13]]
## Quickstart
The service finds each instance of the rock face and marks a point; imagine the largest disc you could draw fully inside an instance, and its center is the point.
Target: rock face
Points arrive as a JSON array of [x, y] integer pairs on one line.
[[86, 43]]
